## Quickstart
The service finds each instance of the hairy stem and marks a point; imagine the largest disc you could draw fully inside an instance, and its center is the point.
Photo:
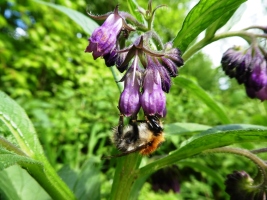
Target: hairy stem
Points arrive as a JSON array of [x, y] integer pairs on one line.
[[124, 177], [205, 41]]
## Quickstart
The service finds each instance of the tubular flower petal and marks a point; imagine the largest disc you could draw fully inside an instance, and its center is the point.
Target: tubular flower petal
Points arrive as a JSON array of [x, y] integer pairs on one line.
[[121, 66], [110, 58], [129, 103], [153, 99], [164, 75], [103, 40]]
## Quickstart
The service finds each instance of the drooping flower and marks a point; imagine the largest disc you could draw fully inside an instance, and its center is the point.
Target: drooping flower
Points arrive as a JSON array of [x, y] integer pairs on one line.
[[164, 74], [249, 67], [153, 100], [236, 62], [239, 185], [256, 85], [103, 40], [130, 99], [166, 179]]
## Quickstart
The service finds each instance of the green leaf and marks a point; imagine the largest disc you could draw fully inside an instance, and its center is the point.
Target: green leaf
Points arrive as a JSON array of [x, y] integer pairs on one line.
[[19, 125], [196, 90], [69, 176], [88, 183], [184, 128], [82, 20], [211, 30], [133, 7], [213, 138], [201, 17], [8, 159], [16, 183]]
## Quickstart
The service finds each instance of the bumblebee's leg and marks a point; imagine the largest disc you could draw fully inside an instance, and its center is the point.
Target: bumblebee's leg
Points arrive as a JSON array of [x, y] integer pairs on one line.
[[121, 125], [134, 124], [153, 124]]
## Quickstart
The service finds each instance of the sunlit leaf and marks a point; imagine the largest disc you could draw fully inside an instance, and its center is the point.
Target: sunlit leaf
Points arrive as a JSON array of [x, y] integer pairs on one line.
[[8, 159], [19, 125], [16, 183], [88, 182], [133, 7], [82, 20], [211, 30], [196, 90], [201, 17]]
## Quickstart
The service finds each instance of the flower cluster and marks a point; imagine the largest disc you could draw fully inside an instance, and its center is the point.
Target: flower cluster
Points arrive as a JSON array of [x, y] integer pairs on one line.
[[248, 67], [148, 71]]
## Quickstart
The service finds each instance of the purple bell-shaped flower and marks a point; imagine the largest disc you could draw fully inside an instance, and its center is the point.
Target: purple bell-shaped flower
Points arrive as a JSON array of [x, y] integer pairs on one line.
[[153, 99], [130, 99]]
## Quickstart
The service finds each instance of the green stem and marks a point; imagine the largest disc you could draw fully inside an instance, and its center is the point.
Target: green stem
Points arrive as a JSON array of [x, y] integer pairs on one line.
[[124, 176], [116, 78], [205, 41], [261, 150]]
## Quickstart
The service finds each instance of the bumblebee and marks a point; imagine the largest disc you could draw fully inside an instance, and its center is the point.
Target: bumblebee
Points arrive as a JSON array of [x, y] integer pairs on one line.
[[144, 136]]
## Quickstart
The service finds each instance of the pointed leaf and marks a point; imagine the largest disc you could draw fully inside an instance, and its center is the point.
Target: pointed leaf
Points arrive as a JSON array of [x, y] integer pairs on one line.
[[14, 118], [201, 17], [196, 90], [213, 138], [82, 20], [133, 7], [211, 30], [16, 183], [88, 183]]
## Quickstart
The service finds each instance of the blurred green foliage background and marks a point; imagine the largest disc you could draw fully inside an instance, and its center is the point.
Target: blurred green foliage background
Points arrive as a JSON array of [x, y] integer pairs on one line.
[[72, 99]]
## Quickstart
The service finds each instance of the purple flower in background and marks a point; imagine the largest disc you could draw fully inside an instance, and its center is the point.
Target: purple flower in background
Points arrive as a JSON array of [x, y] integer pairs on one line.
[[166, 179], [256, 85], [129, 103], [103, 40], [249, 68], [153, 99], [236, 63], [239, 185]]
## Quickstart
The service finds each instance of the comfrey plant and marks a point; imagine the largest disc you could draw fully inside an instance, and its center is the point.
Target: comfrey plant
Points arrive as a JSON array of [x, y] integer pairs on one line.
[[129, 44], [147, 77]]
